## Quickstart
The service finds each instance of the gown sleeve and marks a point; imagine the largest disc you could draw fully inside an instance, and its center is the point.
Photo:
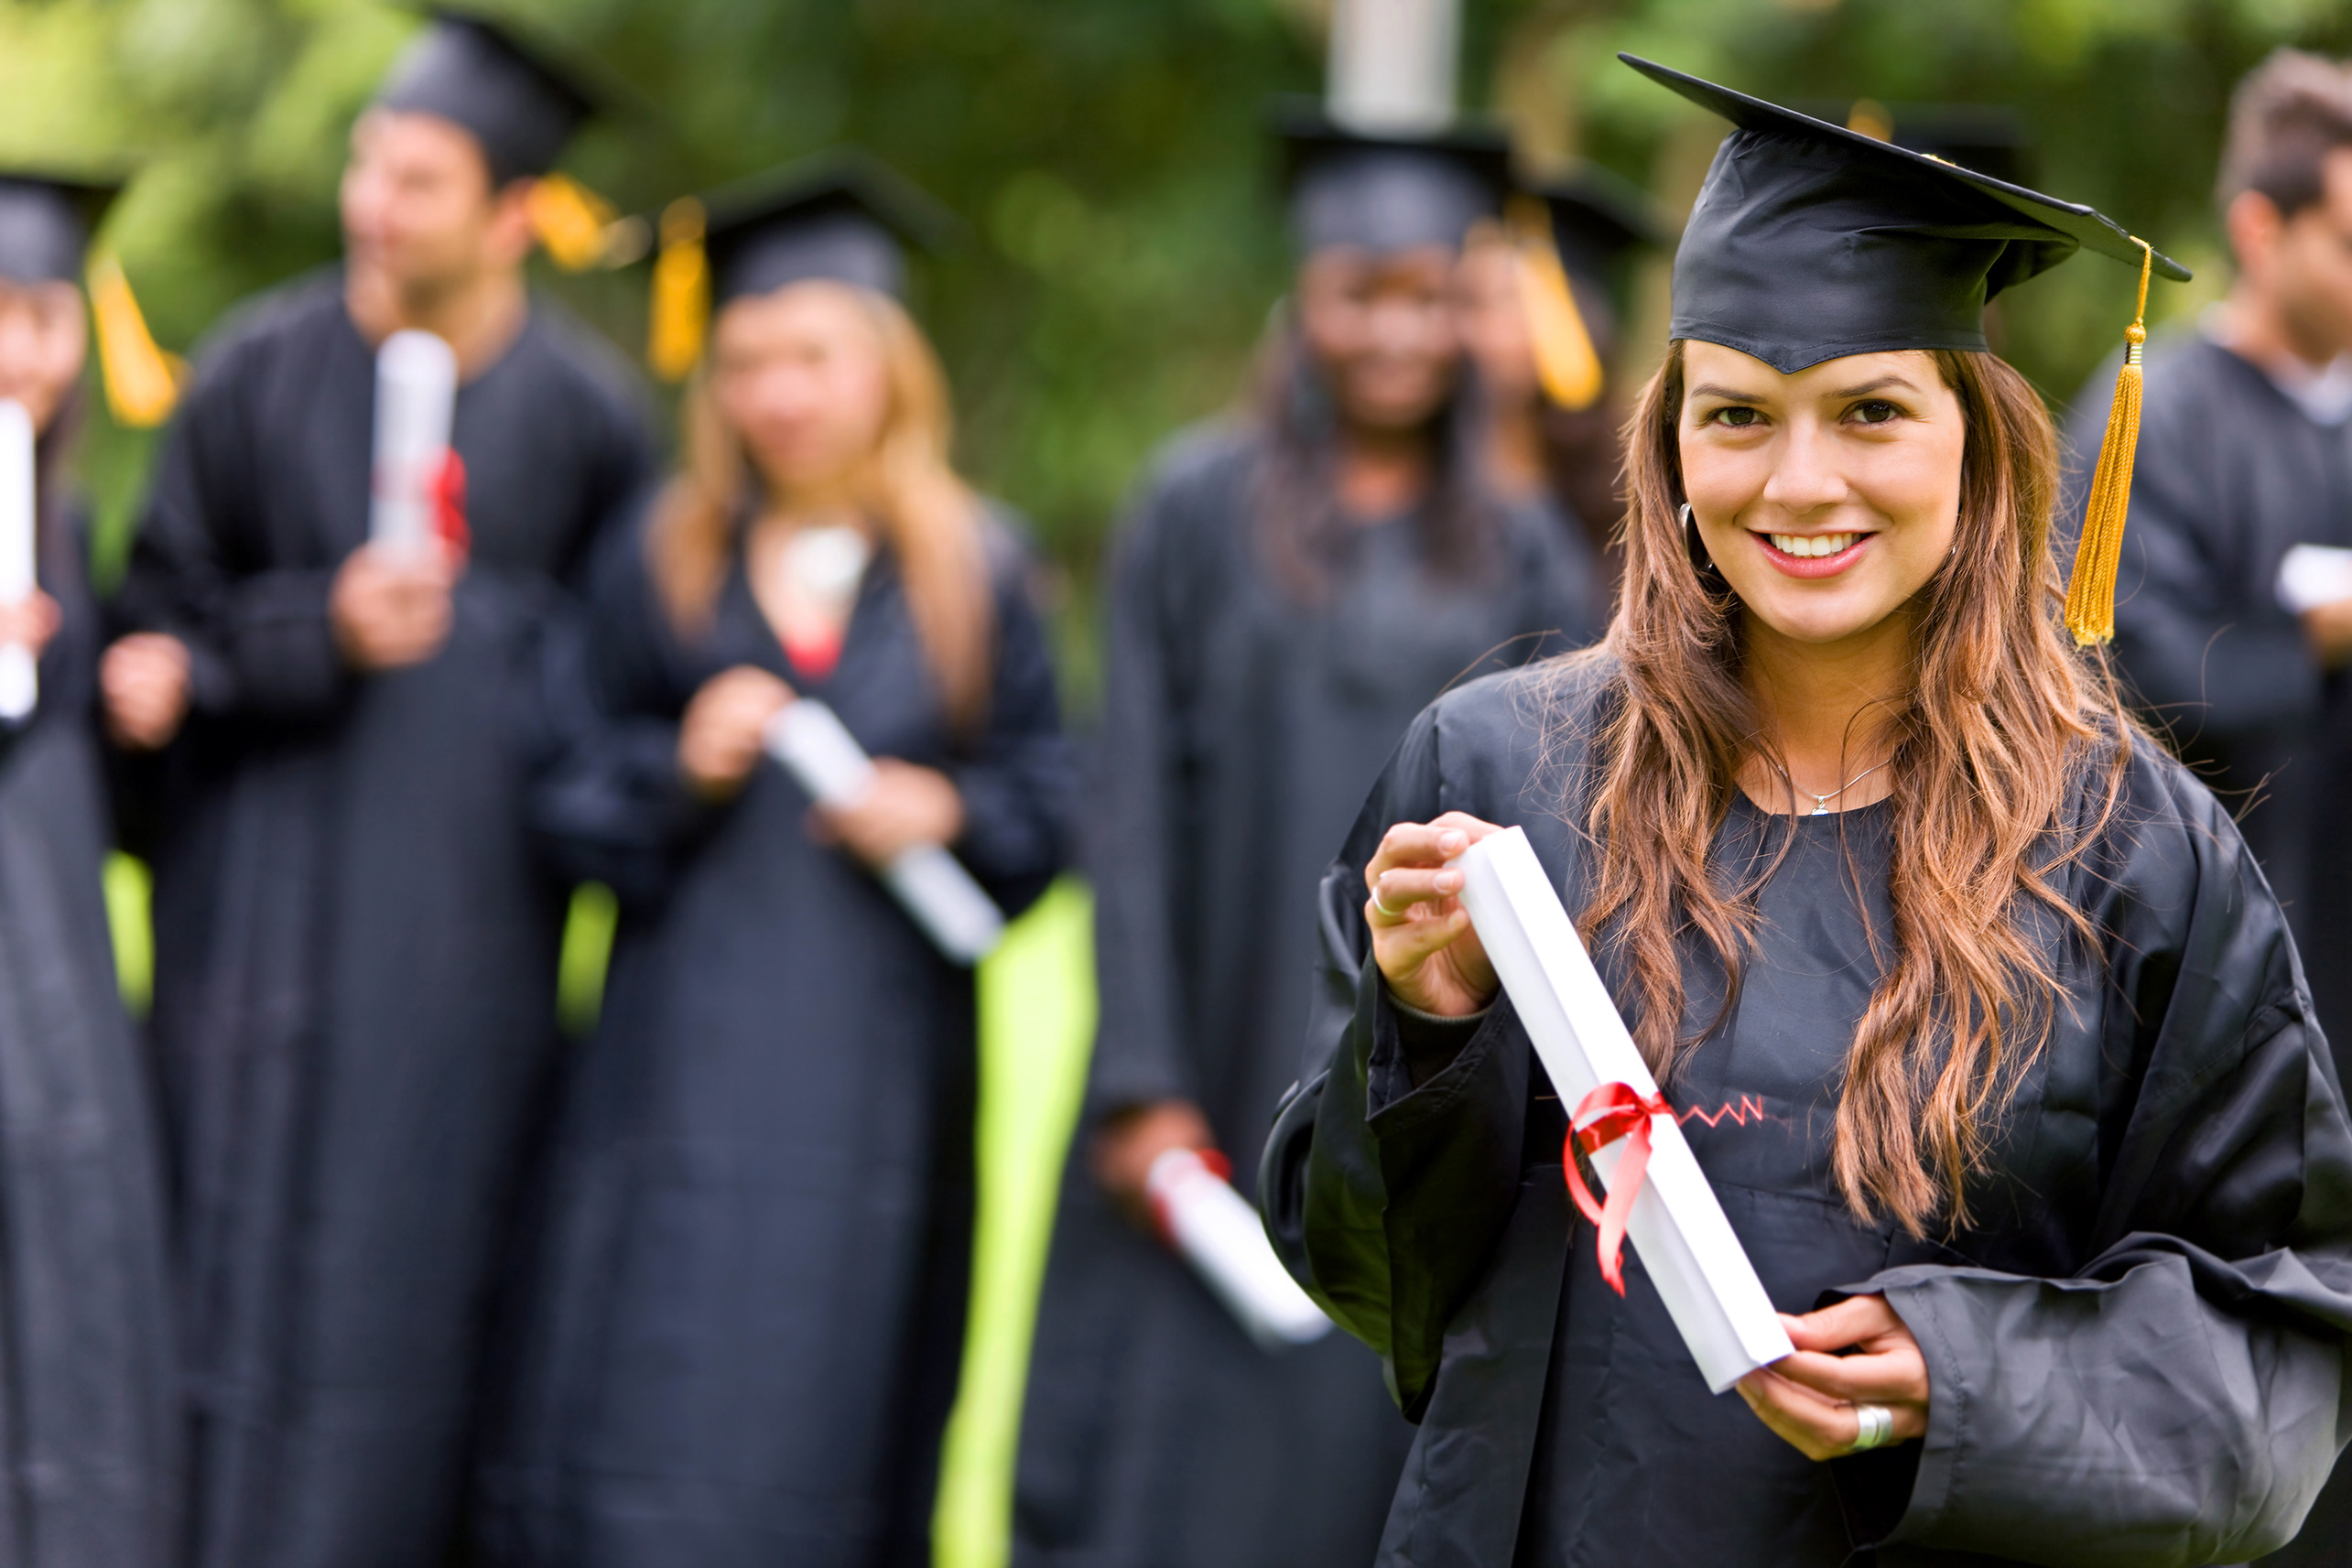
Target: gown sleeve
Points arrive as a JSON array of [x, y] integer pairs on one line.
[[2179, 1400], [1385, 1199], [2204, 647], [607, 800], [259, 640], [1017, 778], [1137, 1057]]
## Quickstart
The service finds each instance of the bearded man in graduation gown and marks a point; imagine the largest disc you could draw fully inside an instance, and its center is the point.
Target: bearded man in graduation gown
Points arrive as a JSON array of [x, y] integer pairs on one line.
[[355, 950], [2245, 453]]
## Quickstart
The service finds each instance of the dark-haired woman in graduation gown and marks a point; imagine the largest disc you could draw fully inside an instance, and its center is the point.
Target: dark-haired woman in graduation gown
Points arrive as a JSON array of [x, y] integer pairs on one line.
[[1980, 1019], [1291, 587], [90, 1439], [747, 1319]]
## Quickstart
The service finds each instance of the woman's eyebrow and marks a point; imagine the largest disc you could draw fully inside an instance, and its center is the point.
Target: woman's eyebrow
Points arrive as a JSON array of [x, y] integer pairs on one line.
[[1708, 389], [1882, 384]]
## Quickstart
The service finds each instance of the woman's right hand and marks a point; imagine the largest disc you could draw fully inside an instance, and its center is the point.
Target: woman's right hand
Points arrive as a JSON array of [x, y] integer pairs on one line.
[[725, 727], [1425, 948], [144, 681]]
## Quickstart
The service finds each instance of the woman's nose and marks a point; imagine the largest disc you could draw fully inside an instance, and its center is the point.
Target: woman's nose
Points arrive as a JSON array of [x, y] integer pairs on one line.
[[1806, 475]]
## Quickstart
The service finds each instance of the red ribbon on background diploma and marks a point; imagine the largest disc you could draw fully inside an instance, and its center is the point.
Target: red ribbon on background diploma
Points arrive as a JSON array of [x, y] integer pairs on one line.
[[1219, 1167], [1610, 1112], [449, 506]]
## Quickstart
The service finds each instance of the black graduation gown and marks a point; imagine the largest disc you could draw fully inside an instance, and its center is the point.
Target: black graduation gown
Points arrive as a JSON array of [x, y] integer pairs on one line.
[[90, 1433], [2136, 1349], [748, 1317], [1239, 731], [354, 944], [2230, 474]]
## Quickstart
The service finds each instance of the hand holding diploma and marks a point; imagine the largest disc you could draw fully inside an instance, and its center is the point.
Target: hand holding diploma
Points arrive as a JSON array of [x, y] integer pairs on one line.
[[390, 602], [1423, 883]]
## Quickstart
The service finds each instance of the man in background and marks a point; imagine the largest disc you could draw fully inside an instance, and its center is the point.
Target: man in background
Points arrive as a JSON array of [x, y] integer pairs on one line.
[[2231, 629], [355, 949]]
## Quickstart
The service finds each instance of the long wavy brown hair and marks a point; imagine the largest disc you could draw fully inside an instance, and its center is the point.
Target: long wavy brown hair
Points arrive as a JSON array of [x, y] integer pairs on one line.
[[2001, 729], [906, 488]]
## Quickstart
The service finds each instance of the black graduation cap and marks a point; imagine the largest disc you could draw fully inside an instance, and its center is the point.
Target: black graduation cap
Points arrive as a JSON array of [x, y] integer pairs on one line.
[[1574, 233], [46, 220], [1809, 241], [481, 75], [1598, 219], [1387, 191], [844, 216]]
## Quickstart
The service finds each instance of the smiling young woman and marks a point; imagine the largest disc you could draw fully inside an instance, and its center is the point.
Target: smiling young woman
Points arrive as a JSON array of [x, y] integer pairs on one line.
[[1976, 1014]]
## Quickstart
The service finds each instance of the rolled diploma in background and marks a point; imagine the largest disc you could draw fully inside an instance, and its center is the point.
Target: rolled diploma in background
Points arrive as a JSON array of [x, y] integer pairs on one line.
[[1225, 1242], [416, 399], [961, 920], [1678, 1227], [20, 681], [2314, 575]]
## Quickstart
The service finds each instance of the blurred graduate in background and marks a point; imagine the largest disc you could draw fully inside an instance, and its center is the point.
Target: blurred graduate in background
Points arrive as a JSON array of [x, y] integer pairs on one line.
[[355, 946], [1292, 585], [91, 1445], [2246, 454], [1541, 294], [2244, 462], [752, 1267]]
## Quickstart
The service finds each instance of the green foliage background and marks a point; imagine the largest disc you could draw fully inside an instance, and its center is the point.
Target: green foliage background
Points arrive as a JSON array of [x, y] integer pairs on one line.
[[1124, 237]]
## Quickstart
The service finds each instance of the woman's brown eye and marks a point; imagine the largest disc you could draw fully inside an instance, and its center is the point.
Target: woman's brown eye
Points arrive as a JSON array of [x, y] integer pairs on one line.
[[1738, 418], [1876, 412]]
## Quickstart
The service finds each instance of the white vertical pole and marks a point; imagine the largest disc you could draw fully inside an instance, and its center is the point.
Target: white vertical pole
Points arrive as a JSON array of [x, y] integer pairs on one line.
[[1392, 65]]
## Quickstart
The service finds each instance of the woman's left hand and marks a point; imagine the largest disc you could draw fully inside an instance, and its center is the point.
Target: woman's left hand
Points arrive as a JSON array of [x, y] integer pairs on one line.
[[907, 807], [1809, 1398]]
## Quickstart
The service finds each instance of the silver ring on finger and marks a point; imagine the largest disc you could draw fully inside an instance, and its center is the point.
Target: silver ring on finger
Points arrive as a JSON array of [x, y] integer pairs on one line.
[[1381, 904], [1874, 1428]]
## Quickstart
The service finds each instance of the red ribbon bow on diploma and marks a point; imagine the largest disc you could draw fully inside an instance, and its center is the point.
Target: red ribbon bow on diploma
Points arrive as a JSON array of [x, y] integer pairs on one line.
[[449, 506], [1610, 1112]]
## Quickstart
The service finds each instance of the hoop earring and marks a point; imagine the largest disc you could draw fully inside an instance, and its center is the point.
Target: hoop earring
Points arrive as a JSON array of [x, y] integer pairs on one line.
[[1692, 543]]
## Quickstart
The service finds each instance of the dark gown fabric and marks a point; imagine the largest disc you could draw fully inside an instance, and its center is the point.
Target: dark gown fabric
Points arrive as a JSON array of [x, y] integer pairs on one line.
[[748, 1317], [354, 943], [2231, 473], [2135, 1347], [90, 1434], [1239, 731]]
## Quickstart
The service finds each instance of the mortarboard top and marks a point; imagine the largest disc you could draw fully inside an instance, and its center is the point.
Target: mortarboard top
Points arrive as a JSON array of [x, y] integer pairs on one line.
[[1387, 192], [845, 217], [1809, 242], [511, 92], [47, 222]]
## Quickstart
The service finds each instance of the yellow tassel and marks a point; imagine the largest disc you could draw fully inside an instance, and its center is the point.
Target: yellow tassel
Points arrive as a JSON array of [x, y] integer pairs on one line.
[[1565, 361], [142, 380], [2090, 592], [572, 221], [681, 304]]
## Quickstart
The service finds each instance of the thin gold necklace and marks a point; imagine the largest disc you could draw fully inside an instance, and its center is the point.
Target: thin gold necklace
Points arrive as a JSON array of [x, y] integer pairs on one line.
[[1821, 802]]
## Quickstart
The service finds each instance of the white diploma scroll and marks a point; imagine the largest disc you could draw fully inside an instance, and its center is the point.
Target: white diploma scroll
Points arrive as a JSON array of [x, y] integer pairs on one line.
[[2314, 575], [20, 685], [1214, 1228], [1677, 1228], [930, 884], [415, 398]]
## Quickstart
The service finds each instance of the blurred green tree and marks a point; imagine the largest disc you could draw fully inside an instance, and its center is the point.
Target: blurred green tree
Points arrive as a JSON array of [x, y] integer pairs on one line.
[[1125, 241]]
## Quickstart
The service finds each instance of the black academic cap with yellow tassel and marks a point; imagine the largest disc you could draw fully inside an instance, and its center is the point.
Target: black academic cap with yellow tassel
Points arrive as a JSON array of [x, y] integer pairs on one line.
[[844, 217], [1810, 241], [47, 222], [1572, 235]]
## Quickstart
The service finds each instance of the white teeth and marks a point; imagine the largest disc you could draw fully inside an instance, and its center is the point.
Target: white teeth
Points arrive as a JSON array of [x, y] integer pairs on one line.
[[1812, 543]]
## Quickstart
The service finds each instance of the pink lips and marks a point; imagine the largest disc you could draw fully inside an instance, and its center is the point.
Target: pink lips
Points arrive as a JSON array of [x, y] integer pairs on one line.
[[1812, 566]]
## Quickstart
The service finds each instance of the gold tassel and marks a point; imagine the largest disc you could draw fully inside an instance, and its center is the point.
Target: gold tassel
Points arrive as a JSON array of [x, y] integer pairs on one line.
[[572, 221], [142, 380], [1565, 361], [2090, 592], [681, 304]]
